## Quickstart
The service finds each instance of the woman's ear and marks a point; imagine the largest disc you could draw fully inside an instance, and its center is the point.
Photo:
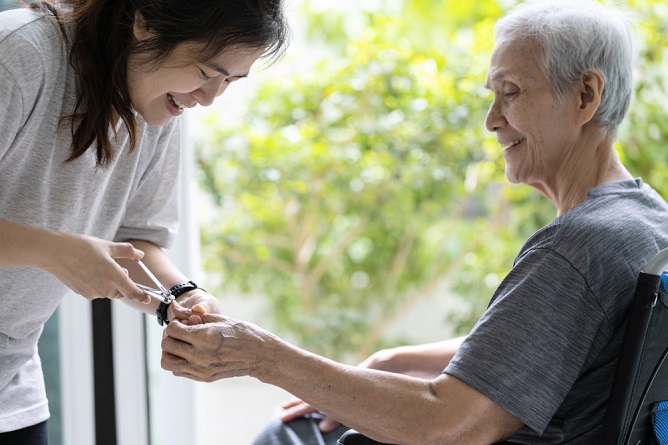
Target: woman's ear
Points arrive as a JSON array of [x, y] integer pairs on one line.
[[139, 28], [590, 90]]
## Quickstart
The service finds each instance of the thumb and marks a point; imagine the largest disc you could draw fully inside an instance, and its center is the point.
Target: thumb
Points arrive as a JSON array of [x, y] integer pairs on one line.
[[125, 250], [179, 311]]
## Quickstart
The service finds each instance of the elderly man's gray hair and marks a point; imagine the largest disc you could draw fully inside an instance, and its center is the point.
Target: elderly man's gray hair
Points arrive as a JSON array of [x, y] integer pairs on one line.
[[577, 36]]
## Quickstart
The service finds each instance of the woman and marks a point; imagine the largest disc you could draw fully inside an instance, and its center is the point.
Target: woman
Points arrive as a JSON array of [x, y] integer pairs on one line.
[[89, 157], [538, 366]]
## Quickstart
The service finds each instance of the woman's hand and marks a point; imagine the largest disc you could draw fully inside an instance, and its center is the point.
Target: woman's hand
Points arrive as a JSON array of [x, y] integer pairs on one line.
[[83, 263], [87, 266]]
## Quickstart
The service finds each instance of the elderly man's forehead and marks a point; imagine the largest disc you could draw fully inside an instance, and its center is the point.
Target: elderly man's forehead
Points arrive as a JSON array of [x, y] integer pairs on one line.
[[515, 56]]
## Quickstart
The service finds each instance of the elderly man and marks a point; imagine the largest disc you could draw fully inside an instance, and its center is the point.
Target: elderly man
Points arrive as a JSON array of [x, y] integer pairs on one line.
[[539, 364]]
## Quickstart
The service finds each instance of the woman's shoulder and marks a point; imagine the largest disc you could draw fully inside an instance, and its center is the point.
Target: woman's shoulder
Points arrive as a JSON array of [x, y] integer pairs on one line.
[[33, 54], [20, 22], [29, 36]]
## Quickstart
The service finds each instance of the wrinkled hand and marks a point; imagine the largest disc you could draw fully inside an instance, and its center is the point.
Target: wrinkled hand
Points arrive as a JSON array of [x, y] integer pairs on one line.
[[208, 347], [86, 265]]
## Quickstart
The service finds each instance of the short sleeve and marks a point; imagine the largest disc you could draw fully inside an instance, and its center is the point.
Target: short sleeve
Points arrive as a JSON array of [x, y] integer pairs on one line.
[[535, 339], [11, 104], [152, 211]]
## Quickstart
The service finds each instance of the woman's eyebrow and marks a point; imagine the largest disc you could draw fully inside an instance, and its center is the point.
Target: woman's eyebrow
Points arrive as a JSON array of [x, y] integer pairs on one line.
[[222, 70]]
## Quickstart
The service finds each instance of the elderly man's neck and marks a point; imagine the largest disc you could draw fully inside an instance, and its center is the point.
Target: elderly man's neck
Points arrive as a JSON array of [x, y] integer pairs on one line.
[[591, 163]]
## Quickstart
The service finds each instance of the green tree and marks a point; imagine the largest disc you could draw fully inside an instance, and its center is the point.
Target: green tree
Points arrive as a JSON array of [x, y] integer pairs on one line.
[[352, 191]]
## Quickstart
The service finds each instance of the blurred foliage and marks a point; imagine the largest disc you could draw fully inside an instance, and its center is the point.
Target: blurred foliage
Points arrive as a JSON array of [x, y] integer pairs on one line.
[[352, 191]]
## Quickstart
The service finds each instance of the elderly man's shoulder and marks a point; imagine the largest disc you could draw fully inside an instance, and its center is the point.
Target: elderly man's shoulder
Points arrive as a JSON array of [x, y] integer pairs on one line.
[[608, 221]]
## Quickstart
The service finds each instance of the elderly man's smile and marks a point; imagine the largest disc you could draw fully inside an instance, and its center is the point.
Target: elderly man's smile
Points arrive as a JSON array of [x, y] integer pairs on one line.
[[510, 144]]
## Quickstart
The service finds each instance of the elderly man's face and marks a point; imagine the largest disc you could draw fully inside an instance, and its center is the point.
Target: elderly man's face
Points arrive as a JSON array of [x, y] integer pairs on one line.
[[536, 132]]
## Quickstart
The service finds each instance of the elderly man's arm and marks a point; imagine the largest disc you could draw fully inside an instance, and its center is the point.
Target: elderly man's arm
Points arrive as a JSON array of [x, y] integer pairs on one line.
[[426, 361], [385, 406]]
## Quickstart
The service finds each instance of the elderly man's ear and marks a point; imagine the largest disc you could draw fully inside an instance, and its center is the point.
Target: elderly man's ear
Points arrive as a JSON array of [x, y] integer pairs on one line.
[[590, 88]]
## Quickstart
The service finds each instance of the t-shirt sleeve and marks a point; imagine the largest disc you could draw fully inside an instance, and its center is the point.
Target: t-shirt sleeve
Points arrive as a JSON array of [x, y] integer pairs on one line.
[[11, 104], [534, 340], [153, 209]]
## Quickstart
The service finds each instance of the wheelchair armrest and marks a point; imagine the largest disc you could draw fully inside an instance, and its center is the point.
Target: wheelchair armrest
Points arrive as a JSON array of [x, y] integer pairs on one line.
[[352, 437]]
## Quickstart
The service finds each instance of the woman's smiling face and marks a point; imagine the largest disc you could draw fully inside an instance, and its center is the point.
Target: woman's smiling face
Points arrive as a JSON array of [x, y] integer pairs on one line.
[[535, 130], [161, 91]]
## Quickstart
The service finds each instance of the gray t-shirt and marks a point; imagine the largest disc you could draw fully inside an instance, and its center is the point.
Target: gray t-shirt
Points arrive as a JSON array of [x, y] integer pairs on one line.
[[135, 197], [547, 346]]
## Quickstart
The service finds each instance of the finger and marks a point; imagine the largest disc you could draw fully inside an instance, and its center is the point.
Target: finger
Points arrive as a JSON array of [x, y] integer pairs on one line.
[[174, 353], [210, 318], [194, 319], [183, 368], [199, 309], [130, 290], [202, 304], [186, 316], [134, 293], [176, 364], [176, 330], [182, 331], [207, 379], [290, 403], [180, 312], [327, 425], [184, 313], [297, 412]]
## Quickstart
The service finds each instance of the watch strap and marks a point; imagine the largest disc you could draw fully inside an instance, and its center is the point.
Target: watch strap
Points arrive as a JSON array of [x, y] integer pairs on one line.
[[161, 313], [182, 288], [175, 291]]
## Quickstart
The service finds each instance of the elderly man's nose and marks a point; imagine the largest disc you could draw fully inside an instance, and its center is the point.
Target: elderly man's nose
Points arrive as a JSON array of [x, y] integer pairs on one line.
[[495, 119]]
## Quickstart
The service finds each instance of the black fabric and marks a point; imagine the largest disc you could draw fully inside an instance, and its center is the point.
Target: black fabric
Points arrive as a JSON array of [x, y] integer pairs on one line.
[[32, 435], [303, 431], [641, 378], [352, 437]]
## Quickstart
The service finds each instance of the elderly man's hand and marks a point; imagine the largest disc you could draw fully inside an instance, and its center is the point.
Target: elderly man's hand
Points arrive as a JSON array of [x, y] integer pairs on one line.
[[208, 347]]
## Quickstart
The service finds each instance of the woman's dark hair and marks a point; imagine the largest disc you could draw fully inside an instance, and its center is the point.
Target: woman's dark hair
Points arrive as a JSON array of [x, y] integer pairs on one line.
[[103, 40]]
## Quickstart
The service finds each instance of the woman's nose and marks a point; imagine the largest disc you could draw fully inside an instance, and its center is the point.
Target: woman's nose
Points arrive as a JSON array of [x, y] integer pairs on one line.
[[208, 92]]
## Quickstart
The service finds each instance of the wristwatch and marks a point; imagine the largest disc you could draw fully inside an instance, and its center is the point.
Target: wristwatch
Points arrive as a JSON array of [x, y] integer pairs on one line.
[[175, 292]]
